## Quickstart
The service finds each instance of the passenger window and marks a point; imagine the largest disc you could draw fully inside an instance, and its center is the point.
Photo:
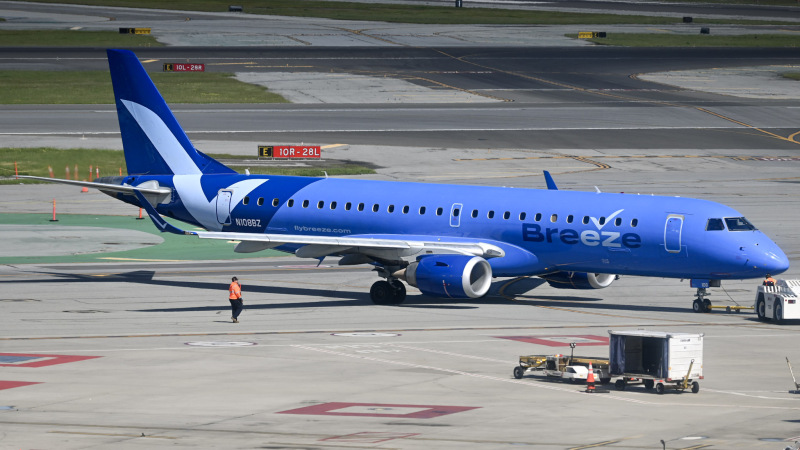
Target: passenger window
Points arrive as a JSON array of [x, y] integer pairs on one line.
[[320, 204], [275, 202], [585, 220], [246, 200], [405, 209], [347, 206], [375, 207], [360, 206], [421, 210], [738, 224], [715, 225], [506, 215], [537, 217], [260, 201], [439, 211], [570, 218], [634, 222], [474, 213], [522, 216], [602, 221], [290, 203], [333, 205], [305, 203], [390, 208], [490, 215], [554, 218], [618, 221]]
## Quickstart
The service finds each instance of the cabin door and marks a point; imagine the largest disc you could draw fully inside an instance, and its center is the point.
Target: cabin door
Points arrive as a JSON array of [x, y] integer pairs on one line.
[[455, 215], [672, 233], [224, 206]]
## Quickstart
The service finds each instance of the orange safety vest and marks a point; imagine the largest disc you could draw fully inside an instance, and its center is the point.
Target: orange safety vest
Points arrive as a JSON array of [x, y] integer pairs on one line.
[[235, 290]]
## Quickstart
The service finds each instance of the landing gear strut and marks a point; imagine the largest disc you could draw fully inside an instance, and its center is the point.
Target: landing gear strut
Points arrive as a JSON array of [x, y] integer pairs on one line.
[[701, 304]]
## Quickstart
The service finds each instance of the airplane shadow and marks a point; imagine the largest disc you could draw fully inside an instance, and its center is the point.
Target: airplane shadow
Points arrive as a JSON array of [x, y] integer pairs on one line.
[[330, 298]]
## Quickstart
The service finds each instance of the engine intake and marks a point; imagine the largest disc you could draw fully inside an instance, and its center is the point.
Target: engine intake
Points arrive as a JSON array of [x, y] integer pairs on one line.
[[453, 276]]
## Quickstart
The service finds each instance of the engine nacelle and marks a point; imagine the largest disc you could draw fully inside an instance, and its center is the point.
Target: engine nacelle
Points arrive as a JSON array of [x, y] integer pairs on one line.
[[454, 276], [579, 280]]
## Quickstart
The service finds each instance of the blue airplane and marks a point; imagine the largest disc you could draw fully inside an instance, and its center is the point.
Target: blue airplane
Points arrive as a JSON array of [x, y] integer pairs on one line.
[[446, 240]]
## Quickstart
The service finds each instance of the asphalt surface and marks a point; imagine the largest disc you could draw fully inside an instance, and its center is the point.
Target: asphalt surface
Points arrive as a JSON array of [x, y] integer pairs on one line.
[[141, 353]]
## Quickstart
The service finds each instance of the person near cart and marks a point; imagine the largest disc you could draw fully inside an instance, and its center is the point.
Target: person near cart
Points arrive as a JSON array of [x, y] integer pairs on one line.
[[769, 281], [235, 297]]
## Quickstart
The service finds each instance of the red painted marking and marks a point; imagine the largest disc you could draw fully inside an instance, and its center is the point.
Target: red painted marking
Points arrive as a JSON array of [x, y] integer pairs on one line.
[[560, 341], [13, 384], [369, 437], [49, 360], [421, 411]]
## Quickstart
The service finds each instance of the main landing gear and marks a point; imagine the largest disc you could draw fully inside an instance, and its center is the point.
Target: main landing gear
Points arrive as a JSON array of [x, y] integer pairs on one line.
[[388, 292], [701, 304]]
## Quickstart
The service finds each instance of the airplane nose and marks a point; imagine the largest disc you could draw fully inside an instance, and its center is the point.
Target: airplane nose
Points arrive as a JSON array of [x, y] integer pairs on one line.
[[773, 260]]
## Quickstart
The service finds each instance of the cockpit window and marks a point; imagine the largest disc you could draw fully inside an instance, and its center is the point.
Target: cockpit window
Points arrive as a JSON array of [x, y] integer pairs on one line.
[[715, 225], [738, 224]]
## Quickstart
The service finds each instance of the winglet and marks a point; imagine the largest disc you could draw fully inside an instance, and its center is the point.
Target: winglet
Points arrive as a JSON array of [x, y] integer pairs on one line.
[[159, 221], [549, 180]]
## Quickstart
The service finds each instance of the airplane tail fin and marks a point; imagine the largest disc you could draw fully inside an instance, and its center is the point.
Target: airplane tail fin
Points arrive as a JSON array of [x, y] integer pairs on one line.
[[153, 141]]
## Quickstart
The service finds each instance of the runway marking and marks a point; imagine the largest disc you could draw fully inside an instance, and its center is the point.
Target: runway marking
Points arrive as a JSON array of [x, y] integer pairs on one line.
[[15, 384], [599, 444], [38, 359], [379, 410], [370, 437]]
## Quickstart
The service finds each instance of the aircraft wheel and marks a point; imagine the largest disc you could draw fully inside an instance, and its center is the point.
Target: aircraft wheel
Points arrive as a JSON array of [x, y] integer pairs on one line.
[[381, 293], [695, 387], [706, 305], [648, 384], [778, 311], [660, 388], [697, 306], [519, 371], [761, 309], [399, 292]]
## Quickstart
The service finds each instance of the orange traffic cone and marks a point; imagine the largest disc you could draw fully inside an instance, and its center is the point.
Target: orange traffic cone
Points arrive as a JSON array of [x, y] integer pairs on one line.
[[590, 380], [84, 189]]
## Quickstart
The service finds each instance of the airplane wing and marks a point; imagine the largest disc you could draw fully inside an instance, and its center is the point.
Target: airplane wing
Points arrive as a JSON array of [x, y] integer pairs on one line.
[[321, 246]]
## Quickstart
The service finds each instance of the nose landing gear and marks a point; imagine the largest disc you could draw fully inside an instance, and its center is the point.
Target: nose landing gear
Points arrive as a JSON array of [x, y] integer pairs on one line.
[[701, 304]]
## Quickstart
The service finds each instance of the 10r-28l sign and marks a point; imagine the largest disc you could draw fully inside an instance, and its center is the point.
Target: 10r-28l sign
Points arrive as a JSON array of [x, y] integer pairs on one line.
[[289, 151]]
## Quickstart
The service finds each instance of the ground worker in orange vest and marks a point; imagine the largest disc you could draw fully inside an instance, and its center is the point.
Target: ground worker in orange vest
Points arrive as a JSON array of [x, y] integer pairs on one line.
[[769, 281], [235, 298]]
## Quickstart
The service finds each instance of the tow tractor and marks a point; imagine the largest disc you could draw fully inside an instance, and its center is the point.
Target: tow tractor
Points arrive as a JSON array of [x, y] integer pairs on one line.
[[778, 302], [570, 368]]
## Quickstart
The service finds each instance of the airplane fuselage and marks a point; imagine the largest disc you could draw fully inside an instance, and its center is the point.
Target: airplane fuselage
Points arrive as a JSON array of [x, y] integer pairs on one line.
[[541, 231]]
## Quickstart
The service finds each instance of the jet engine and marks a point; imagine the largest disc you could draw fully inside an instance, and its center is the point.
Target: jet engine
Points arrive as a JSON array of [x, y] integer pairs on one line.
[[579, 280], [454, 276]]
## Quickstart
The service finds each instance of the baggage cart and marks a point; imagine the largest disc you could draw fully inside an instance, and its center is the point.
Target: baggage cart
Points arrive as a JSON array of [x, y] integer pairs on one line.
[[658, 359]]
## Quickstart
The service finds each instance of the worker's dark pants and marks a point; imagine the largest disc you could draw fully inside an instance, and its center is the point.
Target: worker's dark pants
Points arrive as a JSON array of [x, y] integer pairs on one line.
[[236, 308]]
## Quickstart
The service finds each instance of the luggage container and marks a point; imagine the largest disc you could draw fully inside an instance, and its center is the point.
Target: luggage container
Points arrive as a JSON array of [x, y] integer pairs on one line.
[[659, 359]]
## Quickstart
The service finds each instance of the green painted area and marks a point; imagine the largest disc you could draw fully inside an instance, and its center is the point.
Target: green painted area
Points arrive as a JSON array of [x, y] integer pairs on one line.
[[94, 87], [174, 247], [696, 40], [400, 13], [75, 38]]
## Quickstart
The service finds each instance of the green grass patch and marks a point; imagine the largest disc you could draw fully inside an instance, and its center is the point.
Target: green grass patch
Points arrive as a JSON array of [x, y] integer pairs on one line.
[[94, 87], [698, 40], [74, 38], [422, 14], [174, 247], [791, 75], [35, 162]]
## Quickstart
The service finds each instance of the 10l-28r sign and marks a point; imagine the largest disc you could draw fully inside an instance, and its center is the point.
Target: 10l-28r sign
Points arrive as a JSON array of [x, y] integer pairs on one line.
[[289, 151]]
